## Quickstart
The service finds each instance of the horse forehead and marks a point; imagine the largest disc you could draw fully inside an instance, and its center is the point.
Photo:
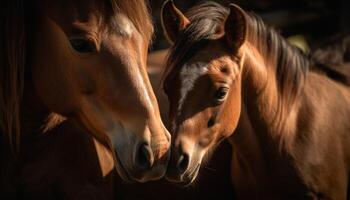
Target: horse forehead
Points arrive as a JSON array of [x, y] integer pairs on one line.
[[90, 18], [122, 25]]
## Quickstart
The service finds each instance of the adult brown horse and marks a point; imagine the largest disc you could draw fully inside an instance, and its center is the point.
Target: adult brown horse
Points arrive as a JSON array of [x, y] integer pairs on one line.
[[85, 61], [230, 73]]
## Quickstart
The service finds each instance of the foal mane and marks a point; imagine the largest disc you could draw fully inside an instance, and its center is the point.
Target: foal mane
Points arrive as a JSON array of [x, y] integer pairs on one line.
[[205, 19], [289, 63], [15, 25]]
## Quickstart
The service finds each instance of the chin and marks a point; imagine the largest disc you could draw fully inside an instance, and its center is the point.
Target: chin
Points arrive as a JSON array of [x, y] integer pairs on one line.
[[185, 179]]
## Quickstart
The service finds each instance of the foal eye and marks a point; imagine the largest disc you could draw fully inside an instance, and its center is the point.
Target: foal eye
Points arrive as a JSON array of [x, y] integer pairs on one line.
[[82, 45], [221, 94]]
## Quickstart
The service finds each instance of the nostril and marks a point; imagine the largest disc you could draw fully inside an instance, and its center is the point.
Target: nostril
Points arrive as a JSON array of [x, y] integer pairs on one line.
[[183, 162], [144, 158], [211, 122]]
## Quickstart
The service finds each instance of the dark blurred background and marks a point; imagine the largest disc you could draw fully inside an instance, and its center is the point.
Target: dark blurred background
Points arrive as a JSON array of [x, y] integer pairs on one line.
[[306, 22]]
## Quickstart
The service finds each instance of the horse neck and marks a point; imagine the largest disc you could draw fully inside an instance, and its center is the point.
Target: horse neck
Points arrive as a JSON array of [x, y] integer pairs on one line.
[[35, 118], [32, 112]]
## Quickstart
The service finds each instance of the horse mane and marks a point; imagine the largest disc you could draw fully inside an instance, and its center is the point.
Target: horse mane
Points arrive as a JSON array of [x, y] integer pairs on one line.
[[137, 11], [12, 62]]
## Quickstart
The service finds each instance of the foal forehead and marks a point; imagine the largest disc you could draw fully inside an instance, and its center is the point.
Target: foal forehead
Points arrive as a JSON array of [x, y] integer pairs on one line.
[[189, 74], [214, 58], [192, 71]]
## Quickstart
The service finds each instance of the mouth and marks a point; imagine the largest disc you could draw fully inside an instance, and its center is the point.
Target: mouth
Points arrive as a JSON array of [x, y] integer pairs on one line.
[[123, 173], [122, 170], [191, 176], [131, 175]]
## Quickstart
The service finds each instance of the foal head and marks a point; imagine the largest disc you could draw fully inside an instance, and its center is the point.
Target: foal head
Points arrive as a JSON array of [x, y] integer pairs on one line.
[[203, 81], [88, 63]]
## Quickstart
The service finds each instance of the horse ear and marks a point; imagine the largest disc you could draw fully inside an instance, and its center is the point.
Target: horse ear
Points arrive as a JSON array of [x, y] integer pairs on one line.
[[173, 20], [236, 27]]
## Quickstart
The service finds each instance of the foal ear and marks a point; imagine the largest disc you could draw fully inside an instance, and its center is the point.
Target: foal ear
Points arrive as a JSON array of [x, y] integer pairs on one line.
[[236, 27], [173, 21]]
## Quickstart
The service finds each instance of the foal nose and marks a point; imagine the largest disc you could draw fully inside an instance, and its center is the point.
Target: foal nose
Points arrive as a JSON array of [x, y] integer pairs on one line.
[[144, 157]]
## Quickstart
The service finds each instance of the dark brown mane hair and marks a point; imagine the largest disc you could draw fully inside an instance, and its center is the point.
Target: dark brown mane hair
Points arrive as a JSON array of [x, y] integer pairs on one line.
[[291, 65], [205, 19], [15, 29], [12, 62]]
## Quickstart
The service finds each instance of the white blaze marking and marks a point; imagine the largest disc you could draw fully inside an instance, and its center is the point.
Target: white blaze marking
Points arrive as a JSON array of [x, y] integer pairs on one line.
[[143, 88], [123, 25], [189, 75]]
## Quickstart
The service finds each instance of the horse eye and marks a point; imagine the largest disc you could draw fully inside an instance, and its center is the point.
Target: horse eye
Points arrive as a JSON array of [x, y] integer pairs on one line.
[[221, 94], [82, 45]]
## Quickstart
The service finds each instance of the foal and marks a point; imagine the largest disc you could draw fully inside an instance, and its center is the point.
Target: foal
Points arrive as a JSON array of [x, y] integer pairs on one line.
[[231, 76]]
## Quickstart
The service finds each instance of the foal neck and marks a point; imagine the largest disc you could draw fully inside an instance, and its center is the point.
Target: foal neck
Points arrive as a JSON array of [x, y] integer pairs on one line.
[[263, 99], [259, 142], [274, 76]]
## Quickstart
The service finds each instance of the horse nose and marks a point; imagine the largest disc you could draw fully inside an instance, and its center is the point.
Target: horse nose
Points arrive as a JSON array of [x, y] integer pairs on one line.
[[183, 162], [144, 157]]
